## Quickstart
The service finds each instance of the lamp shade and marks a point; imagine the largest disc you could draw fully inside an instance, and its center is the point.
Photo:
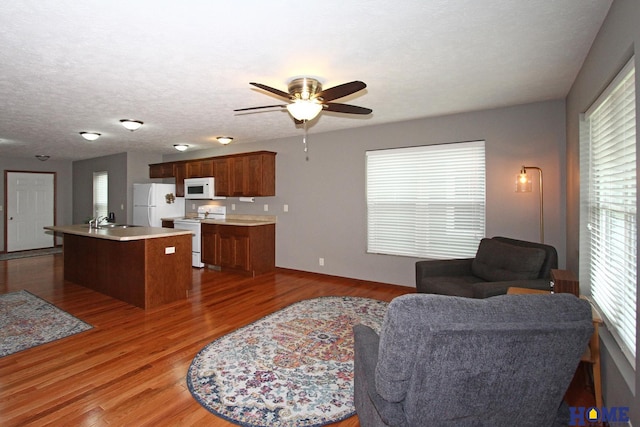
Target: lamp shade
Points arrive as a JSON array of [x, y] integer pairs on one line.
[[523, 183], [303, 109]]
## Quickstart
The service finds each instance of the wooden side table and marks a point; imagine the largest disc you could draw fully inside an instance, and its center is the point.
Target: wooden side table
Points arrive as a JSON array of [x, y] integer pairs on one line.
[[592, 352]]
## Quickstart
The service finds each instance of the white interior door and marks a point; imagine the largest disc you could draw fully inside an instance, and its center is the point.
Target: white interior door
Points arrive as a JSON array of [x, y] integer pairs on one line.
[[30, 207]]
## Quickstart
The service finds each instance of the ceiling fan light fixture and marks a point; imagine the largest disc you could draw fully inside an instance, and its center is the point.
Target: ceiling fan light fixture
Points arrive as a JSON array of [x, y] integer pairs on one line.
[[131, 125], [180, 147], [90, 136], [304, 110]]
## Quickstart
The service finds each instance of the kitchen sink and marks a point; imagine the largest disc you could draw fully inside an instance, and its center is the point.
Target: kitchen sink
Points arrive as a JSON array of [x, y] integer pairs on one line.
[[108, 226]]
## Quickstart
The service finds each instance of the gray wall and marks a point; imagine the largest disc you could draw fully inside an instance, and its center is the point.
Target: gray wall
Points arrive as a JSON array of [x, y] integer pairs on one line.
[[618, 38], [63, 187], [326, 195], [124, 169], [116, 167]]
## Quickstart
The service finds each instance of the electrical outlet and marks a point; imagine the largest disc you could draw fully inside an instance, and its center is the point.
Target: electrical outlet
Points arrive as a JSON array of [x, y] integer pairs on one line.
[[321, 262], [266, 208], [286, 208], [233, 206]]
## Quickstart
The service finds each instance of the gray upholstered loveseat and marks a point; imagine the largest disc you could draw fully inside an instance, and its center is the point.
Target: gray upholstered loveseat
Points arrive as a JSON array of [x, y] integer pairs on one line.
[[500, 263], [453, 361]]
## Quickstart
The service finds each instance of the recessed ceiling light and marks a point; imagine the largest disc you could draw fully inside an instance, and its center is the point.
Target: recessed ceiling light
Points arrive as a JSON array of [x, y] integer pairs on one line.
[[132, 125], [224, 140], [90, 136], [180, 147]]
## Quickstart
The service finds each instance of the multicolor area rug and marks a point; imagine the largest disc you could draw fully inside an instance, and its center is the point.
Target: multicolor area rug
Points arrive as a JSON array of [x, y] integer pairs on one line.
[[291, 368], [27, 321]]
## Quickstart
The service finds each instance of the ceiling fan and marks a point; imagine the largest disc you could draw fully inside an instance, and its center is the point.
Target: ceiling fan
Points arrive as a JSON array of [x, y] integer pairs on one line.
[[307, 99]]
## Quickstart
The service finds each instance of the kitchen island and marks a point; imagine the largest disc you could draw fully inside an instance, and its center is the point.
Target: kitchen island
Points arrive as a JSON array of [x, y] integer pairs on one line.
[[143, 266]]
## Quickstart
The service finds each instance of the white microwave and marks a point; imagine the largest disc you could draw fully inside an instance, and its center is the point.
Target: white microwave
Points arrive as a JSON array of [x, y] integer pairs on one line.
[[199, 188]]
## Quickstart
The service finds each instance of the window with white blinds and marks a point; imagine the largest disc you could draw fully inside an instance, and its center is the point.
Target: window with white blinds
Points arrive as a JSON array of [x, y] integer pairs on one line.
[[100, 194], [608, 232], [426, 202]]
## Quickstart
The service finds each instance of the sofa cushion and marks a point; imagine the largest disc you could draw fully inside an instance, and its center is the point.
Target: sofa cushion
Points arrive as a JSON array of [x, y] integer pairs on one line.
[[449, 285], [497, 261]]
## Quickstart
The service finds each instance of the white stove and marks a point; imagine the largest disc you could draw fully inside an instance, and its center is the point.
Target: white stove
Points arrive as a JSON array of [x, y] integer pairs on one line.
[[193, 224]]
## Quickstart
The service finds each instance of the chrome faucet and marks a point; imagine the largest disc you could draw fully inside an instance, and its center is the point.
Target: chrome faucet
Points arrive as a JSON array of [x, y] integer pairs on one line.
[[95, 222]]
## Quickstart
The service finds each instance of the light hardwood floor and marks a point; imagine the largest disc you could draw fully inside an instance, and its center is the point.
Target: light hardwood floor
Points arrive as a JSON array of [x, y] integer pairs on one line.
[[130, 369]]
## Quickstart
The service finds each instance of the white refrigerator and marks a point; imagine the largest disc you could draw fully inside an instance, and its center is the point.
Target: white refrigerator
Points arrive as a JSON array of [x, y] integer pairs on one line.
[[152, 202]]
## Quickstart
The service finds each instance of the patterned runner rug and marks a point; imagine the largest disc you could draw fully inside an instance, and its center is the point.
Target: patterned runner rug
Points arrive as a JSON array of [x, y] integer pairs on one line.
[[27, 321], [291, 368]]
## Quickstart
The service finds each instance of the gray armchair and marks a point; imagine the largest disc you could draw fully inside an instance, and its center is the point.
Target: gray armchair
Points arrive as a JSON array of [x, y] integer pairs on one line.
[[500, 263], [452, 361]]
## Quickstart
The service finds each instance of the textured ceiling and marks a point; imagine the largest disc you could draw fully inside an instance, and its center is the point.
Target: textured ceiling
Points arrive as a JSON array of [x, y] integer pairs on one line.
[[181, 67]]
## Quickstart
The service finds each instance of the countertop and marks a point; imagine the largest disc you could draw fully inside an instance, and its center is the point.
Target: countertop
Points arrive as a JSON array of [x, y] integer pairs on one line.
[[118, 233], [242, 220]]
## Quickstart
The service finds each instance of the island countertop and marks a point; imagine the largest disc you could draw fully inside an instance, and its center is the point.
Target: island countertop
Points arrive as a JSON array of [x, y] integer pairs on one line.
[[123, 234]]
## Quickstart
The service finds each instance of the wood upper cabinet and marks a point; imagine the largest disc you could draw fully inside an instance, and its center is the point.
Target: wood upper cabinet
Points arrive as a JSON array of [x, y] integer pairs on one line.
[[238, 175], [222, 175], [260, 174], [199, 168], [253, 174], [246, 249], [161, 170], [180, 172]]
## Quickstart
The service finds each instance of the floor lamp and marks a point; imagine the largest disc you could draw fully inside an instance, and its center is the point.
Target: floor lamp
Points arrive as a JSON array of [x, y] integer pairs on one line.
[[523, 185]]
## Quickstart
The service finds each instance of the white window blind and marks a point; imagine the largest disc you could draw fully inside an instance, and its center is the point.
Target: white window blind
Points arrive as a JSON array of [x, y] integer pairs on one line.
[[608, 233], [426, 202], [100, 193]]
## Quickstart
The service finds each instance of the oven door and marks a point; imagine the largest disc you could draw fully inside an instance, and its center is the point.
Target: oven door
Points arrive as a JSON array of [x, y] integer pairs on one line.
[[194, 227]]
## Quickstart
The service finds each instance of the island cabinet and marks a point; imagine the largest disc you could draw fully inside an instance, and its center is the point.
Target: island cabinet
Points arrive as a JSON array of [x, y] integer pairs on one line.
[[146, 273], [246, 249]]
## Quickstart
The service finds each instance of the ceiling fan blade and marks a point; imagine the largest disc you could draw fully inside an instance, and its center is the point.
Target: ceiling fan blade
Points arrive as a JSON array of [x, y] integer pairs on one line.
[[346, 108], [341, 90], [258, 108], [272, 90]]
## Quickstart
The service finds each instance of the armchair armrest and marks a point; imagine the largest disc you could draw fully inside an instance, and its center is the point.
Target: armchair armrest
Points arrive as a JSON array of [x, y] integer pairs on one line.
[[490, 289], [372, 409], [445, 267]]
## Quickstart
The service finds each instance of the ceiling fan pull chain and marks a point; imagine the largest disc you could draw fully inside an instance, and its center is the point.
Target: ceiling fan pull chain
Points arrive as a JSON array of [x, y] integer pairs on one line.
[[304, 137]]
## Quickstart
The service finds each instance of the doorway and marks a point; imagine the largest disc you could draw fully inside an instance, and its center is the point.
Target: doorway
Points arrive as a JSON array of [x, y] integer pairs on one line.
[[30, 206]]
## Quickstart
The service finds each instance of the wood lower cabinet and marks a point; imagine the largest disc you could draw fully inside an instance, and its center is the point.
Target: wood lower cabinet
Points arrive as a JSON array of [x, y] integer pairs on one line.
[[247, 249]]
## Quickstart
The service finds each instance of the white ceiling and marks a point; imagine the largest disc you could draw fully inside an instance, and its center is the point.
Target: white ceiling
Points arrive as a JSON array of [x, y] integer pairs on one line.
[[181, 67]]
